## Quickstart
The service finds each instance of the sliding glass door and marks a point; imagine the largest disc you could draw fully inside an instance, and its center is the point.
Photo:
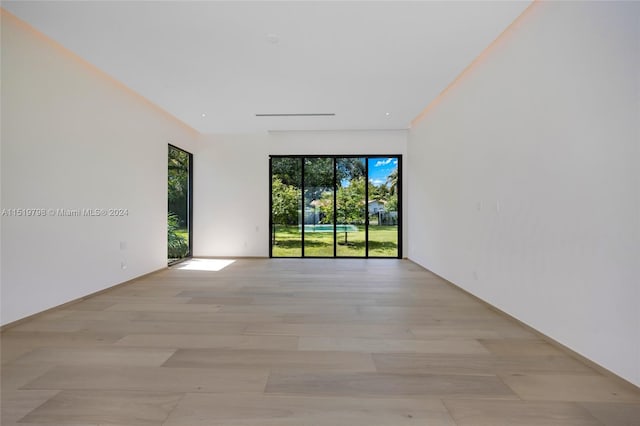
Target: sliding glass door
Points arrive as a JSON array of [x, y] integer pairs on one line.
[[335, 206]]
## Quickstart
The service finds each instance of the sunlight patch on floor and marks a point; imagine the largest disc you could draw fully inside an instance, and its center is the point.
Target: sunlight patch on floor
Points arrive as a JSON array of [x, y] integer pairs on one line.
[[213, 265]]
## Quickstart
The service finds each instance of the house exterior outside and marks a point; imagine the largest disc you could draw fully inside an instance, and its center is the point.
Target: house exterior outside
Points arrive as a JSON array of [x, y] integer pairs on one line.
[[376, 206]]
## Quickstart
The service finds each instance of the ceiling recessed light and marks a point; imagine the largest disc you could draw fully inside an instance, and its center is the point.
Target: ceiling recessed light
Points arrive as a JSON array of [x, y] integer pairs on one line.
[[387, 114], [203, 114]]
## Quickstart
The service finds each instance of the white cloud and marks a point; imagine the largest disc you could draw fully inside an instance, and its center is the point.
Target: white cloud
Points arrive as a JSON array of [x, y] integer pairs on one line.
[[383, 162]]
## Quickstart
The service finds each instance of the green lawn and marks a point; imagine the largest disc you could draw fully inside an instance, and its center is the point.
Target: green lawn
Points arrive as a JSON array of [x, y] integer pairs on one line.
[[184, 234], [383, 242]]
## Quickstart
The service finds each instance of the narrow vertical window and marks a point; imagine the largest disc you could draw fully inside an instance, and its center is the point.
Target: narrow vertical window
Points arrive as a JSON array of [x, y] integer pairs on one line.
[[180, 204]]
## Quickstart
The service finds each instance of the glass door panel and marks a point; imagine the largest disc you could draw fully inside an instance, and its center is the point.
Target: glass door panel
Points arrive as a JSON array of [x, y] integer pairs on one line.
[[351, 203], [318, 207], [383, 206], [286, 203]]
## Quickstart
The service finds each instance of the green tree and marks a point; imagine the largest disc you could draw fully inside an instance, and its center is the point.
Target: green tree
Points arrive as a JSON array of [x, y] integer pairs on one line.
[[392, 203], [318, 171], [350, 207], [392, 181], [288, 169], [178, 173], [318, 177], [379, 192], [285, 202], [177, 246], [348, 169]]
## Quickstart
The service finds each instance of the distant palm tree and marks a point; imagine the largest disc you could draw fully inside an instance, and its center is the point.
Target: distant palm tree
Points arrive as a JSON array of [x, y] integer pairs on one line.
[[392, 181]]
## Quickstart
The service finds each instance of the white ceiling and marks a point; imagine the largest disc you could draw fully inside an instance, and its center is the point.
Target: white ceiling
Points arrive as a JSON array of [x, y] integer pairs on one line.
[[232, 60]]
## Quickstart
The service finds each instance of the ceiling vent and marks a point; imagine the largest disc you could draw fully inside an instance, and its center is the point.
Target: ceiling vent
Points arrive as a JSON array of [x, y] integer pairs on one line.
[[316, 114]]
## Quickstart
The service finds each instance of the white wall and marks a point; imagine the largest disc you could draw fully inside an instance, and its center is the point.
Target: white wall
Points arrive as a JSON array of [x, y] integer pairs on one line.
[[73, 138], [525, 184], [231, 182]]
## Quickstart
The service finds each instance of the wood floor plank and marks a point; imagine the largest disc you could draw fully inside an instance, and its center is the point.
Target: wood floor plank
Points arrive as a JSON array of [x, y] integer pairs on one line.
[[614, 414], [151, 379], [209, 341], [304, 382], [547, 387], [357, 319], [275, 300], [125, 327], [42, 325], [37, 339], [269, 410], [162, 300], [520, 347], [139, 290], [448, 332], [215, 358], [17, 344], [208, 317], [356, 344], [105, 408], [9, 353], [292, 308], [15, 377], [480, 330], [331, 330], [93, 304], [439, 312], [18, 403], [412, 363], [518, 413], [165, 307], [429, 299], [106, 356], [222, 300]]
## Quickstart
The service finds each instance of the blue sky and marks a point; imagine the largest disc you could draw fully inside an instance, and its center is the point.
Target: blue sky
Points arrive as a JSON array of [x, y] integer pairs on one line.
[[380, 168]]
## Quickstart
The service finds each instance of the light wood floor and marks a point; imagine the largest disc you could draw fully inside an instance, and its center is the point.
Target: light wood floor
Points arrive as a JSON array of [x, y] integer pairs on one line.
[[296, 342]]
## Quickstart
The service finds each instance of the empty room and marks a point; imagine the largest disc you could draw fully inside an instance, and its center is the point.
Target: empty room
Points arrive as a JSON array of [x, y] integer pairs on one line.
[[323, 213]]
